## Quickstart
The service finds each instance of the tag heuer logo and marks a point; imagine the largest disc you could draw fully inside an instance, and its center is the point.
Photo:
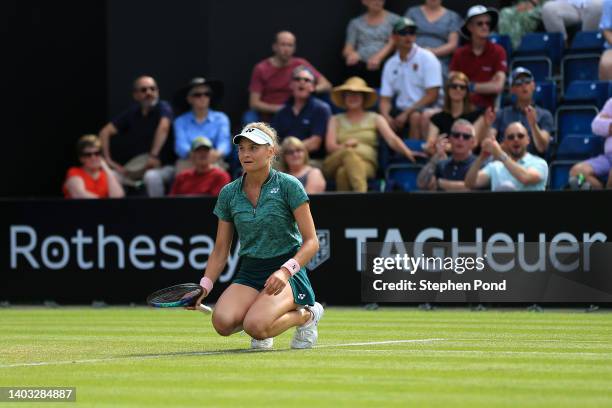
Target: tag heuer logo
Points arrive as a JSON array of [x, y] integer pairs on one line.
[[323, 253]]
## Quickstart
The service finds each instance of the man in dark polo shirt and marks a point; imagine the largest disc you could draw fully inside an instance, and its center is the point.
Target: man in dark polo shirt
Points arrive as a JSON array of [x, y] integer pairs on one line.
[[304, 116], [447, 174], [481, 60], [143, 129], [538, 121]]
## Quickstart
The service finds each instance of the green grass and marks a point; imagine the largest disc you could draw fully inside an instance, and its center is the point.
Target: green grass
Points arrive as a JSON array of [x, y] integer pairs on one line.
[[139, 357]]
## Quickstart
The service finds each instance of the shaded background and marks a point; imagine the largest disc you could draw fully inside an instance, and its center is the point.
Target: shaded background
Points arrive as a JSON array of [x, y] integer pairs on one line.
[[68, 66]]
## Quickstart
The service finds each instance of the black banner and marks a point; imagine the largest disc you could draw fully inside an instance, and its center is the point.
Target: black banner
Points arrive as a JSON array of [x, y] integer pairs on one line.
[[118, 251]]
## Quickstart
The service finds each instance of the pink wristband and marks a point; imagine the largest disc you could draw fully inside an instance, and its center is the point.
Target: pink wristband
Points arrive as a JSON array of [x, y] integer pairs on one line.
[[207, 284], [292, 266]]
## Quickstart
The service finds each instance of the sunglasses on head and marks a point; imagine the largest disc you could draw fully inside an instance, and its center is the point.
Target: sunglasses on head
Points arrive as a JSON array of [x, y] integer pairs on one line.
[[457, 135], [144, 89], [522, 81], [200, 94], [457, 86], [406, 31], [513, 136], [302, 79], [91, 154]]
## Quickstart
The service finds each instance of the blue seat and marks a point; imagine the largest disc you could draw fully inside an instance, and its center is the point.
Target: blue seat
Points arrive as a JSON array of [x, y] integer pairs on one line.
[[549, 45], [586, 42], [402, 177], [545, 95], [583, 67], [574, 119], [505, 41], [579, 147], [587, 92], [540, 67], [558, 173]]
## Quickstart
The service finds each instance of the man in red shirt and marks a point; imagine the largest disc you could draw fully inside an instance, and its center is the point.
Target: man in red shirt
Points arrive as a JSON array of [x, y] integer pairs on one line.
[[481, 60], [203, 178], [269, 88]]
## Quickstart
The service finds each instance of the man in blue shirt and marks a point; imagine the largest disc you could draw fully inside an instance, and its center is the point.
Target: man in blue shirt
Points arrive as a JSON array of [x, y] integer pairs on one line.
[[304, 116], [512, 168], [202, 121], [143, 129], [538, 121], [447, 174]]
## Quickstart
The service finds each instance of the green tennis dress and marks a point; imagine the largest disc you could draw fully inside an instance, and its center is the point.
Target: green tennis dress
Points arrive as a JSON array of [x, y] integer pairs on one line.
[[268, 232]]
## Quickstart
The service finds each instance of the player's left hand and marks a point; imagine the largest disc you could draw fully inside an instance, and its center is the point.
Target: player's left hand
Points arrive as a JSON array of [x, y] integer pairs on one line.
[[277, 282]]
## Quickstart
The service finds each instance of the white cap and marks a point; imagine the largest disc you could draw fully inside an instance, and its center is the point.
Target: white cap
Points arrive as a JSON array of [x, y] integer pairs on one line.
[[255, 135]]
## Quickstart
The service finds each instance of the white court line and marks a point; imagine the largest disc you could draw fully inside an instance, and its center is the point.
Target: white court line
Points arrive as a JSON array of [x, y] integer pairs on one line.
[[199, 353]]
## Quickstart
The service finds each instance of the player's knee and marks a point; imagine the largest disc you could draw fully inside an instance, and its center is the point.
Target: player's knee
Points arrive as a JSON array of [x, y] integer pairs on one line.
[[256, 328], [223, 325]]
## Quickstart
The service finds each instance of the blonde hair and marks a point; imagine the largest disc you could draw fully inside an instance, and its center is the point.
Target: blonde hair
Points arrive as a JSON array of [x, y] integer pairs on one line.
[[86, 141], [268, 130], [288, 143]]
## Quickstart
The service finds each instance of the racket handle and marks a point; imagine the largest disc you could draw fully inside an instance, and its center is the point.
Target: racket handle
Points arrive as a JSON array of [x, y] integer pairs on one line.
[[205, 309]]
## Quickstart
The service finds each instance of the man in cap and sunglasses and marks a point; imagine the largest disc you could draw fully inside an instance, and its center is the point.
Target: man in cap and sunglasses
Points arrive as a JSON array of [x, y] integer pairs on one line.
[[414, 75], [513, 168], [143, 130], [481, 60], [538, 121], [448, 174]]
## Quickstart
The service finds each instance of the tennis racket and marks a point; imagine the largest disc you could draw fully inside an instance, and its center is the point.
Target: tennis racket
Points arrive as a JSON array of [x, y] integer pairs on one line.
[[185, 294]]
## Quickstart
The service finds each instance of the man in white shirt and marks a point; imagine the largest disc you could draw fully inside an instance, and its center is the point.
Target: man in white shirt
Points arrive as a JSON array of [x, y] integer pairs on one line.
[[414, 75]]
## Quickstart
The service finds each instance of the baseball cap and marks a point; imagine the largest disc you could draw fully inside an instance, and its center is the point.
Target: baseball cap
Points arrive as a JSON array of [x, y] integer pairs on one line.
[[201, 141], [403, 23], [255, 135], [518, 71]]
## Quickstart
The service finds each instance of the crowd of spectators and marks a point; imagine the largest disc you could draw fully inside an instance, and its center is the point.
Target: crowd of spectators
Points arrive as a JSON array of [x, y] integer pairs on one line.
[[410, 86]]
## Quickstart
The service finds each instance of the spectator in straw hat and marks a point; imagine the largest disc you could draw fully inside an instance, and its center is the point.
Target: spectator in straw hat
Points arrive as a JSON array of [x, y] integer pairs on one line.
[[352, 137]]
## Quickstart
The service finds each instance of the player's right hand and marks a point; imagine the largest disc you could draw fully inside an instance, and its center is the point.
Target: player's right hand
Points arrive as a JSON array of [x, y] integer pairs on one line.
[[198, 302]]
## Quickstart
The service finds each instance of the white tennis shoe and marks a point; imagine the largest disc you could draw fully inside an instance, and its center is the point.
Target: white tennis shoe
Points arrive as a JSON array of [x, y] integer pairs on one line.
[[306, 335], [265, 344]]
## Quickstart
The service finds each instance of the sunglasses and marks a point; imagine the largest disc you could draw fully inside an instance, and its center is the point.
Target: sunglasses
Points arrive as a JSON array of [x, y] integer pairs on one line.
[[200, 94], [483, 23], [512, 136], [522, 81], [457, 135], [147, 88], [458, 86], [292, 152], [302, 79], [406, 31], [91, 154]]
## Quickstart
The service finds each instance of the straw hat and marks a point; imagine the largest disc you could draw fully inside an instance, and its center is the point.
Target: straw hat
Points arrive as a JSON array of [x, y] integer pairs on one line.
[[354, 84], [136, 167]]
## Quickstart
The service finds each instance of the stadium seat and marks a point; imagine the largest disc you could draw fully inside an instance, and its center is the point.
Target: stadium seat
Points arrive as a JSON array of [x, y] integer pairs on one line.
[[545, 95], [558, 174], [579, 147], [402, 177], [583, 67], [504, 41], [549, 45], [586, 42], [574, 119], [587, 93], [540, 67]]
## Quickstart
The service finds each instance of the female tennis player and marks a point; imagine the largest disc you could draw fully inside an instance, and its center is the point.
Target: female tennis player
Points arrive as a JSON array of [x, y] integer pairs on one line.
[[270, 211]]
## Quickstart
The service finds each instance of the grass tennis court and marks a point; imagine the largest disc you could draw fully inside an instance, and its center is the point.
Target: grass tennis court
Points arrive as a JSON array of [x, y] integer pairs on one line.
[[389, 357]]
